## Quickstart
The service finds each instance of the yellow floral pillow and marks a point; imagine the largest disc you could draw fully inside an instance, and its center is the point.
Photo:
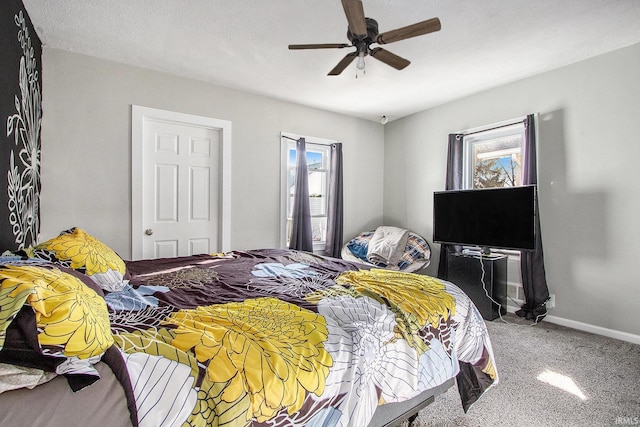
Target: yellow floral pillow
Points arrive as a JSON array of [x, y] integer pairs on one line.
[[80, 251], [52, 319], [71, 317]]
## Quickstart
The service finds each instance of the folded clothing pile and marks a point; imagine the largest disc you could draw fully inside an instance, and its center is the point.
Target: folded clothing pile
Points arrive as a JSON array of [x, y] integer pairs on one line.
[[387, 245], [415, 255]]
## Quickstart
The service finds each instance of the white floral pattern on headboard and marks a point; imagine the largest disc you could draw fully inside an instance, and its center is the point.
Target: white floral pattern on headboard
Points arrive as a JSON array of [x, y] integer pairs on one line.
[[23, 176]]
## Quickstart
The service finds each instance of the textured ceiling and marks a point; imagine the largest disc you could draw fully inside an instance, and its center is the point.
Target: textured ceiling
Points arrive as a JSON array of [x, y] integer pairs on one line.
[[243, 44]]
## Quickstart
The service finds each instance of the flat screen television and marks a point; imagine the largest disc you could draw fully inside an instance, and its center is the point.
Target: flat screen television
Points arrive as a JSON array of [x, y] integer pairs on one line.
[[493, 218]]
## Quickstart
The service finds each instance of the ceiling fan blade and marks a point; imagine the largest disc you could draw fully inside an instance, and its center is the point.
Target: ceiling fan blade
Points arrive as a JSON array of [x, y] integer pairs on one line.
[[414, 30], [389, 58], [343, 64], [355, 17], [319, 46]]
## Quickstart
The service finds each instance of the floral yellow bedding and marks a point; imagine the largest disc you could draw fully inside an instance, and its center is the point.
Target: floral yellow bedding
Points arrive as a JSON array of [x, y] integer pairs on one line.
[[259, 338]]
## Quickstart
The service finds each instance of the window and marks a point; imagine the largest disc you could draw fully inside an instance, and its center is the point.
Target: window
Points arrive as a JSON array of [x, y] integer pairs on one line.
[[318, 167], [493, 158]]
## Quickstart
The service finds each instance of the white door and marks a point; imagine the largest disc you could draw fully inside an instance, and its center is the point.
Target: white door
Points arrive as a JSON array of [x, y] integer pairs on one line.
[[180, 191]]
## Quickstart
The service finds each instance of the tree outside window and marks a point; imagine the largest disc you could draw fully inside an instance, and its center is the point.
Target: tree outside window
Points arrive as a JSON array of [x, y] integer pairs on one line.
[[493, 158]]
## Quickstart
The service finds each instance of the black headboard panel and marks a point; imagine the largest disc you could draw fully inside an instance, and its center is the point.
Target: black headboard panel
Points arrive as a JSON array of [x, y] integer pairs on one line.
[[20, 122]]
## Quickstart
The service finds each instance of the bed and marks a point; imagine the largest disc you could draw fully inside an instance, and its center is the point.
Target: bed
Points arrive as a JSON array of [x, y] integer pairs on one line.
[[264, 337]]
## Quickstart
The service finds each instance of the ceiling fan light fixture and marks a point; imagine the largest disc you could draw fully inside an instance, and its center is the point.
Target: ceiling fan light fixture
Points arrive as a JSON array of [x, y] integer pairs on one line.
[[360, 64], [363, 31]]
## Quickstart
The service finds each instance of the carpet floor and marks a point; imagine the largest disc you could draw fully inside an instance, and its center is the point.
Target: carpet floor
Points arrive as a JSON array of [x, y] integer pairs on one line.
[[549, 375]]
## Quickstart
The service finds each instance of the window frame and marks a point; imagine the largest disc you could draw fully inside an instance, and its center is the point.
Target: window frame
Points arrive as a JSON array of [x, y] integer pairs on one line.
[[313, 144], [486, 133], [492, 133]]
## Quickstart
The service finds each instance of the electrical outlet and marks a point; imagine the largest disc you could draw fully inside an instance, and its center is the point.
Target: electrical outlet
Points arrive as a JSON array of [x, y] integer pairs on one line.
[[552, 301]]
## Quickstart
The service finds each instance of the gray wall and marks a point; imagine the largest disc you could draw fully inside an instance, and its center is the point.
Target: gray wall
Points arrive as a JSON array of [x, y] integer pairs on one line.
[[587, 155], [588, 152], [86, 149]]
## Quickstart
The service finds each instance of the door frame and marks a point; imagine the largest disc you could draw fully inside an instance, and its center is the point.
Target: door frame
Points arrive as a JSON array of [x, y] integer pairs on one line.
[[139, 115]]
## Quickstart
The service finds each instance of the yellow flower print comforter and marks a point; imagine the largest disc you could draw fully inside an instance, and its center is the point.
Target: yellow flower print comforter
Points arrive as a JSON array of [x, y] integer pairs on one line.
[[274, 338]]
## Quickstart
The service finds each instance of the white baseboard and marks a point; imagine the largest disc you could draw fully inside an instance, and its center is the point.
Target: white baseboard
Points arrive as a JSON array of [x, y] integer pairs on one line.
[[586, 327]]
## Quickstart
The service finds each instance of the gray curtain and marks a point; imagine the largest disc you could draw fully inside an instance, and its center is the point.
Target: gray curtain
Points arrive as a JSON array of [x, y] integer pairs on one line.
[[534, 281], [453, 181], [334, 212], [301, 237]]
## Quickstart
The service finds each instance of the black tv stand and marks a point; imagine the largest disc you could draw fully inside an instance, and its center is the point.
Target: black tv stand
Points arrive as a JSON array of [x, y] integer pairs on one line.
[[465, 271]]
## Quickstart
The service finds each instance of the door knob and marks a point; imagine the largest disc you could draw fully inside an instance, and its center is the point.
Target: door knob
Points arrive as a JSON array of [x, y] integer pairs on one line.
[[148, 231]]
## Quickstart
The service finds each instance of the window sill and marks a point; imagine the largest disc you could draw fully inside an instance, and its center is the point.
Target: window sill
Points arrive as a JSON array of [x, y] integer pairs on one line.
[[319, 247]]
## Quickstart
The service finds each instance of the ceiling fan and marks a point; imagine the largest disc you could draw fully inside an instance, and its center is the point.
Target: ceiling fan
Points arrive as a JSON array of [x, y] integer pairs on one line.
[[363, 32]]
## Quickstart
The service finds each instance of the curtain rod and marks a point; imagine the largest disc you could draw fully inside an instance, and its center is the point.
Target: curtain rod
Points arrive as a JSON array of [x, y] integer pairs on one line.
[[313, 143], [494, 126], [292, 139]]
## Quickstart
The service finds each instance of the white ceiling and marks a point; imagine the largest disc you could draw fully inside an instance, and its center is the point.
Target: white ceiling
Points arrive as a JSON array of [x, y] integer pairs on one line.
[[243, 44]]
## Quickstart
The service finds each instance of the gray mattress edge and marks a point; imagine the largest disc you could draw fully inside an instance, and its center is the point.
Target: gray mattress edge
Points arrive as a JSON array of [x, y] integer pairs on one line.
[[102, 403], [105, 402], [392, 414]]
